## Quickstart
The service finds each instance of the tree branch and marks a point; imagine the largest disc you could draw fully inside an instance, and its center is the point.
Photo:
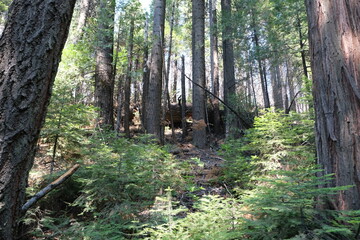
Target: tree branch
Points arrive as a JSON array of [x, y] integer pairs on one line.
[[49, 188], [291, 103], [245, 123]]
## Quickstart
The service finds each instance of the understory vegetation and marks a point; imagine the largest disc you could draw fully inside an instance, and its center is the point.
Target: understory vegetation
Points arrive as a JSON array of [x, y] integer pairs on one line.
[[133, 189]]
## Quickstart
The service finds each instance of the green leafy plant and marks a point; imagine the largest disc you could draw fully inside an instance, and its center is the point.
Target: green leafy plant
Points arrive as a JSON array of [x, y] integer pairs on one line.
[[215, 218], [119, 183]]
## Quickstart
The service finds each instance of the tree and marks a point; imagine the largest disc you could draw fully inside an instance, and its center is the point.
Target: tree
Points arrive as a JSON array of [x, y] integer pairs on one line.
[[30, 50], [334, 43], [198, 68], [228, 62], [214, 63], [104, 81], [153, 102], [127, 87], [85, 10]]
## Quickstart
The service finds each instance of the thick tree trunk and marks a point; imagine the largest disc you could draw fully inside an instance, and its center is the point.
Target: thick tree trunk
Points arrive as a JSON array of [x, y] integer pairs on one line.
[[334, 30], [198, 68], [153, 101], [228, 63], [104, 81], [214, 64], [30, 50]]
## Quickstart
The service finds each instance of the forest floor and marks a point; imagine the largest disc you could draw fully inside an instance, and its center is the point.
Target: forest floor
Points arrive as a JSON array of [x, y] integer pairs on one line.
[[206, 164], [207, 167]]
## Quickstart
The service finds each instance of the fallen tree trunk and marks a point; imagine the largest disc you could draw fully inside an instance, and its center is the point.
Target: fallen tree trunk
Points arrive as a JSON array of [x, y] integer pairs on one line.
[[49, 188]]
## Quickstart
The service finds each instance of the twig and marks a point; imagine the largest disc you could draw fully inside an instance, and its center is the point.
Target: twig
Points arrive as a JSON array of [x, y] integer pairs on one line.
[[49, 188]]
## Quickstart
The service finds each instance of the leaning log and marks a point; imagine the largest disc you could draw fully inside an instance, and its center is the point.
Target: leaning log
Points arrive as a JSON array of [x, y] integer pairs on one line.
[[49, 188]]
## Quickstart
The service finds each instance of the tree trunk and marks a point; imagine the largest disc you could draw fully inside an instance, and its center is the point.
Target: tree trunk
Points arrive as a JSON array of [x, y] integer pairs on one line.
[[183, 99], [334, 29], [30, 50], [198, 68], [146, 75], [166, 96], [175, 79], [277, 86], [302, 46], [214, 64], [264, 87], [228, 63], [104, 81], [153, 101], [85, 10], [127, 87]]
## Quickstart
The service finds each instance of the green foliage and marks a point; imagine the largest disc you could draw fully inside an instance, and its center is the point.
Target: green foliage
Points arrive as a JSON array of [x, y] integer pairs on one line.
[[119, 183], [283, 191], [282, 206], [215, 218], [276, 177], [238, 168]]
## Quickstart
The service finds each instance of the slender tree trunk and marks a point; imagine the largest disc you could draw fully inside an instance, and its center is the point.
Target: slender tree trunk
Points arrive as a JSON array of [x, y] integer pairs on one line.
[[260, 63], [252, 83], [262, 74], [127, 87], [85, 10], [119, 84], [302, 46], [146, 75], [276, 86], [30, 50], [153, 102], [104, 81], [167, 104], [56, 139], [214, 64], [175, 79], [228, 65], [334, 33], [198, 68], [183, 99], [120, 104]]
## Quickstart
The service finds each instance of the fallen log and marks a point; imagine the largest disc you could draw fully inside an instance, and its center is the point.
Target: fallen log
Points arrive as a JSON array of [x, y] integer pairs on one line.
[[49, 188]]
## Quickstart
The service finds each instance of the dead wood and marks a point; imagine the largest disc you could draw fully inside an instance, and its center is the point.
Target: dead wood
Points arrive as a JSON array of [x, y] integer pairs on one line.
[[49, 188]]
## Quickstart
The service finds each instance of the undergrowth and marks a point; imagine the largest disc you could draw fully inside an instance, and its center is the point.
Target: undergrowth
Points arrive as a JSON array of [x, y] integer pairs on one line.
[[129, 189]]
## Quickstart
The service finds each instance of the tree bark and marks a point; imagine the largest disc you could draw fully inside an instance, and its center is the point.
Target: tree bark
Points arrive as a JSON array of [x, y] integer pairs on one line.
[[334, 29], [146, 75], [277, 86], [198, 68], [30, 50], [214, 64], [153, 101], [127, 87], [175, 79], [228, 65], [104, 81], [85, 11], [183, 99]]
